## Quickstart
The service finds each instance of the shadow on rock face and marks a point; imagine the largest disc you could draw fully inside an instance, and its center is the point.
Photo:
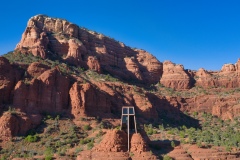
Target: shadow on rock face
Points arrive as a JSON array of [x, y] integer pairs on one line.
[[169, 112]]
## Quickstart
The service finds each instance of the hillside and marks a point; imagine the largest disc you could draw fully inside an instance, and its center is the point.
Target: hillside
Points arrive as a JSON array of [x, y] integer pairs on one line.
[[63, 87]]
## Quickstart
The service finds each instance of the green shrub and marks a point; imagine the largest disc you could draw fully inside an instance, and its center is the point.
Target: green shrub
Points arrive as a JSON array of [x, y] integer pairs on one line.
[[173, 144], [87, 127], [161, 127], [131, 154], [195, 114], [49, 117], [12, 110], [90, 145], [77, 150], [48, 158], [118, 127], [100, 133], [167, 158], [154, 131], [82, 119], [85, 141], [82, 141], [48, 153], [32, 138], [150, 131], [170, 132], [182, 134]]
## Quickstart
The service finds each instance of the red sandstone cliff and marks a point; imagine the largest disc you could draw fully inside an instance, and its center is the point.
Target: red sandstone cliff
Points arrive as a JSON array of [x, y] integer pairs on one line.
[[228, 77], [53, 37], [46, 93], [8, 77], [47, 37], [174, 76]]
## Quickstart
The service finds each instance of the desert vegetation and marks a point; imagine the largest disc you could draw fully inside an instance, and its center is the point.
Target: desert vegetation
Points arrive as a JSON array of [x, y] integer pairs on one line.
[[55, 137]]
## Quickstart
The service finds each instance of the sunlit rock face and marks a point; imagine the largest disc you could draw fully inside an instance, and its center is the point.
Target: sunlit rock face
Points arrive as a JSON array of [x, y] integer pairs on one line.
[[52, 37]]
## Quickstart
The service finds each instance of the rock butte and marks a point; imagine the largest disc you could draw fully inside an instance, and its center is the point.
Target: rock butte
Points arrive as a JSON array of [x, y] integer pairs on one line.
[[49, 90], [46, 37], [53, 37]]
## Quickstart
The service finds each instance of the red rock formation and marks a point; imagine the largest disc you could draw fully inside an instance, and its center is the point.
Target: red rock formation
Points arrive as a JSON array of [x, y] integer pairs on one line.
[[51, 91], [114, 141], [192, 152], [34, 41], [228, 77], [45, 36], [86, 100], [36, 69], [75, 52], [137, 99], [179, 154], [13, 124], [140, 149], [101, 98], [205, 153], [93, 64], [144, 106], [138, 145], [90, 155], [204, 79], [114, 146], [237, 66], [8, 77], [223, 107], [228, 68], [153, 67], [47, 93], [174, 76], [131, 65]]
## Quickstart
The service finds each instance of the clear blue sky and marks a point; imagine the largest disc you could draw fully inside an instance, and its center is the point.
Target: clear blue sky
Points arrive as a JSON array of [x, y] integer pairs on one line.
[[195, 33]]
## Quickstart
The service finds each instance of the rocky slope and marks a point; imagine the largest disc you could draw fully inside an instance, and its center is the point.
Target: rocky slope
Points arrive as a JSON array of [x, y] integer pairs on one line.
[[59, 68]]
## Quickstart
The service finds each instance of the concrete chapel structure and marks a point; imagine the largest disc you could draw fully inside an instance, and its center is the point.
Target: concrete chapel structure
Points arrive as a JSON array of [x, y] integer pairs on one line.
[[128, 121]]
